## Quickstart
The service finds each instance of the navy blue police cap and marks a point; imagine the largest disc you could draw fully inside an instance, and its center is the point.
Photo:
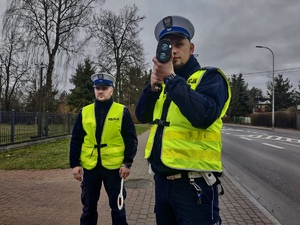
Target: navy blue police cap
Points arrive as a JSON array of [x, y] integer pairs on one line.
[[103, 79], [174, 25]]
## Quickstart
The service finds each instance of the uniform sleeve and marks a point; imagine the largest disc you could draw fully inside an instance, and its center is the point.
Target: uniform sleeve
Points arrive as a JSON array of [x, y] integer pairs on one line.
[[204, 105], [77, 138], [145, 106], [128, 133]]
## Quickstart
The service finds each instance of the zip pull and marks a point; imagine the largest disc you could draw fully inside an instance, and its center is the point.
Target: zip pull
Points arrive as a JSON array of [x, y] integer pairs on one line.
[[199, 198]]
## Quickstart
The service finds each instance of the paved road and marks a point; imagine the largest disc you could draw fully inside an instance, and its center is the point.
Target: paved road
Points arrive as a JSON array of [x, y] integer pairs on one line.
[[267, 164]]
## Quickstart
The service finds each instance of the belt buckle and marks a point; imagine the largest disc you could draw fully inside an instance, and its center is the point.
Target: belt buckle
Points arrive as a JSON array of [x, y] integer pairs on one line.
[[194, 175], [171, 177]]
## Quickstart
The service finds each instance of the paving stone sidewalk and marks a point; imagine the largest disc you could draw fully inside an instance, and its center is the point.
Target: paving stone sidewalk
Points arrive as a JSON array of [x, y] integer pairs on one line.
[[52, 197]]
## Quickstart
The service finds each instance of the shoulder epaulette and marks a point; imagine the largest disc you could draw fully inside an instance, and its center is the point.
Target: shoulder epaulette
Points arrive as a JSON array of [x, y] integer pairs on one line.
[[209, 68]]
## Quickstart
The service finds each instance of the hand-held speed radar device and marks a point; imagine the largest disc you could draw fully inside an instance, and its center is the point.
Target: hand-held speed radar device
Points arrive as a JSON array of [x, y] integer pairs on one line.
[[163, 54]]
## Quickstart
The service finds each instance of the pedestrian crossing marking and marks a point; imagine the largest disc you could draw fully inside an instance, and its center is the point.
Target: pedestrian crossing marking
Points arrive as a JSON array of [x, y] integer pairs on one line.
[[274, 146], [262, 136]]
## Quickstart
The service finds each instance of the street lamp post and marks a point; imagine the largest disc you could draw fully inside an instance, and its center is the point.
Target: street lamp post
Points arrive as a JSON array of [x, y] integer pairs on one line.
[[273, 87]]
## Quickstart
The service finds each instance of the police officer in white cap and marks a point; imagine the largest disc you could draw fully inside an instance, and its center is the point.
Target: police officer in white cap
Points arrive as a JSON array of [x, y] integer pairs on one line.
[[103, 86], [184, 146], [102, 149]]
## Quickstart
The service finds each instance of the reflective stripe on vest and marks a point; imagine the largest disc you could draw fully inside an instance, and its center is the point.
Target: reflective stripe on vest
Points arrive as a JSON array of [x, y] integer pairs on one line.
[[184, 146], [112, 144]]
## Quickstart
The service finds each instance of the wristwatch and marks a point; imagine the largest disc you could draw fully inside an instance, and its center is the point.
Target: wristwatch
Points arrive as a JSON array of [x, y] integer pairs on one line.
[[170, 77]]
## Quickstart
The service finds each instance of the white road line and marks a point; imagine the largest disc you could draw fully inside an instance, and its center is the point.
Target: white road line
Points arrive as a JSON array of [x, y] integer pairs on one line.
[[246, 138], [274, 146], [269, 137]]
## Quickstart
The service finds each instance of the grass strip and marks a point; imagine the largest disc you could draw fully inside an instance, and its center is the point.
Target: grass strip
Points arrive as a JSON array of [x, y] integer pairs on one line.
[[43, 156]]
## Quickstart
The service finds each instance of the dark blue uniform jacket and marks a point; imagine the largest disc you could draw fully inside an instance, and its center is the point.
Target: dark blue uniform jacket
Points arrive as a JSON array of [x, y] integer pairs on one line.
[[201, 107]]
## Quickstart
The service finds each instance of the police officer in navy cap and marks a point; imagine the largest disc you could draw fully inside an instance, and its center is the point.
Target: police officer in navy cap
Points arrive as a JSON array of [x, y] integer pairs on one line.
[[184, 147], [102, 149]]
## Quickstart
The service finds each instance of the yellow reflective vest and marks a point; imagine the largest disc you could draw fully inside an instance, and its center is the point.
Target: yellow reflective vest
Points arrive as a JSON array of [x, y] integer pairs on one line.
[[112, 144], [185, 147]]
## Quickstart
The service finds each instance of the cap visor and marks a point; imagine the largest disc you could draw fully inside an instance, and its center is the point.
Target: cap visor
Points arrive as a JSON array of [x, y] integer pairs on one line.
[[102, 84], [172, 35]]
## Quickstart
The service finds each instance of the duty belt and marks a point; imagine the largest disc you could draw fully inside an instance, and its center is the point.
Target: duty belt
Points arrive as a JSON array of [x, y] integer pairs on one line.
[[185, 175], [209, 177]]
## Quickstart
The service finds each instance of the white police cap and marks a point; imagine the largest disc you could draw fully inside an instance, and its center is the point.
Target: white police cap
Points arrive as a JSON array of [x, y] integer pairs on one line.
[[103, 79], [174, 25]]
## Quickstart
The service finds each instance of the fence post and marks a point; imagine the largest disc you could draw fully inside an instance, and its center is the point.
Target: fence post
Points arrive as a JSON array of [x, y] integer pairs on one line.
[[47, 123], [12, 127], [69, 123], [40, 124]]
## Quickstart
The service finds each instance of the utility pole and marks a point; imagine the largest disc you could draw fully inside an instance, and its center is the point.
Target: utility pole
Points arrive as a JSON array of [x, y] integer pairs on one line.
[[40, 113]]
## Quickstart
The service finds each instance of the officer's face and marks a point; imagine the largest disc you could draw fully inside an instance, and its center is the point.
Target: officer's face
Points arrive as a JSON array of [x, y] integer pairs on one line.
[[182, 48], [103, 93]]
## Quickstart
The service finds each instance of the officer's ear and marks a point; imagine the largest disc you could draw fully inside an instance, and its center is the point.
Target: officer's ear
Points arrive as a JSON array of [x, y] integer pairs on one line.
[[192, 48], [111, 91]]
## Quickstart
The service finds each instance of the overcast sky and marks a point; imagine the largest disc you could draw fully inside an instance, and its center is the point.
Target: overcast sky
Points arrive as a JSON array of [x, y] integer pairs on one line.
[[226, 33]]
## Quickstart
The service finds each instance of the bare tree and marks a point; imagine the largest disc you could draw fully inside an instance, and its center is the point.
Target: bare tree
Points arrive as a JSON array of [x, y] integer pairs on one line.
[[54, 25], [119, 46], [14, 61], [138, 79]]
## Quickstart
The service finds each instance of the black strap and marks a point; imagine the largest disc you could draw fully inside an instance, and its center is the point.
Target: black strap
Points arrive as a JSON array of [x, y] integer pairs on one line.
[[98, 146], [160, 123]]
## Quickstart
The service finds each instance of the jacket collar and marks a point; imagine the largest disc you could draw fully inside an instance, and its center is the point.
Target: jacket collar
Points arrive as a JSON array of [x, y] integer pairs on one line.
[[191, 66]]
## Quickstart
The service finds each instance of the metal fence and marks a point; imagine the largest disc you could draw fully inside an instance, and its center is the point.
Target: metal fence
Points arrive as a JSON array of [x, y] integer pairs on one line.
[[24, 126]]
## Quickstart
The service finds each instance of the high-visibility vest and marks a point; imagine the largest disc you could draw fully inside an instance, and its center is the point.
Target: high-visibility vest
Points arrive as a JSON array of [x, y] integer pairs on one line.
[[185, 147], [112, 144]]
